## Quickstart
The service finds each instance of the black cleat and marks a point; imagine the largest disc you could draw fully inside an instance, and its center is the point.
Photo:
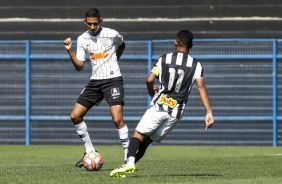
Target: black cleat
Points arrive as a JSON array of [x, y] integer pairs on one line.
[[79, 163]]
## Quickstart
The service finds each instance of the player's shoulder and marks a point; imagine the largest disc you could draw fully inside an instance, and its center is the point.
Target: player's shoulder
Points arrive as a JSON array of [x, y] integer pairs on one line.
[[83, 36], [195, 61], [108, 32], [166, 54]]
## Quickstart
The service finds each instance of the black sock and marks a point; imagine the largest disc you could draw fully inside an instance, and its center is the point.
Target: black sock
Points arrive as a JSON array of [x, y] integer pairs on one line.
[[133, 147], [141, 151]]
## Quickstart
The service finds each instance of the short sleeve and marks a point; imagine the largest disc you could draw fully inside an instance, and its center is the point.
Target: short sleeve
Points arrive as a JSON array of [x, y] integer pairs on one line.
[[159, 63], [117, 39], [198, 71], [80, 51], [157, 68]]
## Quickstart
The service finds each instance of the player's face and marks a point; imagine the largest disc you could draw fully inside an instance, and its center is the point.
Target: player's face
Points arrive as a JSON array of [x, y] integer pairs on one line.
[[93, 24]]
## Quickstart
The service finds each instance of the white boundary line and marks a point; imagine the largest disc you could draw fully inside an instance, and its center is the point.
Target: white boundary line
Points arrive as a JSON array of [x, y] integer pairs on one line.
[[279, 154], [147, 19]]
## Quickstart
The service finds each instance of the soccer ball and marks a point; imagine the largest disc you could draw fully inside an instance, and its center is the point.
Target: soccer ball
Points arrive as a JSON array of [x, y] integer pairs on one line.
[[93, 161]]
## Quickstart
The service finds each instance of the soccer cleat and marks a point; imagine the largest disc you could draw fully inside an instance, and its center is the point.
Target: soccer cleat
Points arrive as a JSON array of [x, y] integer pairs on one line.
[[79, 163], [121, 172]]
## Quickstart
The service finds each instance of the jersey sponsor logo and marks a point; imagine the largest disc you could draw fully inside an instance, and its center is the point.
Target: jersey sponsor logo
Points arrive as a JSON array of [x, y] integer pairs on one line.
[[167, 101], [99, 55]]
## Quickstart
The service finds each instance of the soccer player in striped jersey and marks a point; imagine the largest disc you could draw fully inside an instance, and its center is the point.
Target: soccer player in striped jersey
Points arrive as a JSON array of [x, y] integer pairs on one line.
[[104, 46], [176, 72]]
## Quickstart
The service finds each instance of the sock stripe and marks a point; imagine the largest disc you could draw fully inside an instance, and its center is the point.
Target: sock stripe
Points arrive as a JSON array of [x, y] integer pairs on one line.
[[124, 140], [81, 136]]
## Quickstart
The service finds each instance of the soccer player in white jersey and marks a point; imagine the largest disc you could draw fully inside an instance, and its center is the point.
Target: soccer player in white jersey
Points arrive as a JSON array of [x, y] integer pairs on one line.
[[176, 73], [104, 47]]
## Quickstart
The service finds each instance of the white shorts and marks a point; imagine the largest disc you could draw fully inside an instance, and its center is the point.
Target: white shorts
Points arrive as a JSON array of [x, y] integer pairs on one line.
[[156, 124]]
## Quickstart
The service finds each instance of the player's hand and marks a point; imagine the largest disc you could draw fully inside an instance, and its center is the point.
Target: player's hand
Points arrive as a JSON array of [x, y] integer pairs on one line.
[[68, 43], [209, 121], [153, 92]]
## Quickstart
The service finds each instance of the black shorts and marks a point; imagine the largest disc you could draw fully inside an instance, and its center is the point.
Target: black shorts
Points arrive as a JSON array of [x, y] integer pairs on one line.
[[96, 90]]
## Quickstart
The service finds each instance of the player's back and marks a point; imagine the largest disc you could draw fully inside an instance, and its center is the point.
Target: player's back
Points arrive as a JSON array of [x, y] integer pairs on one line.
[[176, 76], [177, 71]]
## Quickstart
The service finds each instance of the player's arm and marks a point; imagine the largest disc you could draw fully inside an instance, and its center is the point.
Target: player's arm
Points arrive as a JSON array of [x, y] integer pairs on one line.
[[150, 81], [120, 50], [118, 40], [206, 102], [78, 64]]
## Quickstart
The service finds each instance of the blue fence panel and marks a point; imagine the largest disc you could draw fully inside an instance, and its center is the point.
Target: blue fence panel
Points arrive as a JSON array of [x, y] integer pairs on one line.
[[39, 87]]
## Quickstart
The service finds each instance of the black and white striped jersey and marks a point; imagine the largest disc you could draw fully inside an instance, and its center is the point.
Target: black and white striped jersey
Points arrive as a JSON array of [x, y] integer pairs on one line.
[[101, 50], [177, 73]]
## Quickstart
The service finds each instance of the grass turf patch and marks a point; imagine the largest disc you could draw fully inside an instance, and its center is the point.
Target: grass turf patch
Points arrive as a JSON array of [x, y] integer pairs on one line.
[[161, 164]]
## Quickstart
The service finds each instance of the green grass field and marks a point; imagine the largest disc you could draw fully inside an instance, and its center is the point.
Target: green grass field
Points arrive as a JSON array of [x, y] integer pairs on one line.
[[161, 164]]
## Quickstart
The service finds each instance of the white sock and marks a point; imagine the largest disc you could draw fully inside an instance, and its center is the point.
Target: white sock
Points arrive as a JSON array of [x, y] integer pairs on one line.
[[123, 136], [130, 161], [82, 132]]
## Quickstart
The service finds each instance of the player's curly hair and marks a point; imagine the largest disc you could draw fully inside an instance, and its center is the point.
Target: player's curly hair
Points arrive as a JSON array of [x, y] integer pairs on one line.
[[92, 12], [185, 37]]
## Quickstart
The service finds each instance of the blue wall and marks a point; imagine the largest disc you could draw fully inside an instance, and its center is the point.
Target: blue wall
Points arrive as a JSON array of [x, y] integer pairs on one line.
[[39, 87]]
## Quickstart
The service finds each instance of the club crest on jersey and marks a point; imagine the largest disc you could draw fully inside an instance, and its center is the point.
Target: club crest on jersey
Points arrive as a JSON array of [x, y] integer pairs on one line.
[[105, 42], [167, 101], [115, 92]]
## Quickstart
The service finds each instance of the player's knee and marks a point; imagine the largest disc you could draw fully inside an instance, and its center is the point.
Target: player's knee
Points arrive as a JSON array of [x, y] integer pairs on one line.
[[75, 118], [118, 122]]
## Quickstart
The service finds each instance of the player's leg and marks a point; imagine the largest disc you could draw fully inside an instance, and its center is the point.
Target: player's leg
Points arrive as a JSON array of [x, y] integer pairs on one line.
[[142, 148], [137, 141], [77, 115], [113, 92], [117, 115], [167, 125], [129, 167], [149, 122], [90, 96]]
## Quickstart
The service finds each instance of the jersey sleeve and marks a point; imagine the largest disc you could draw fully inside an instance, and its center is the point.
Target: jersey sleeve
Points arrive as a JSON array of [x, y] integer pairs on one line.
[[157, 67], [117, 39], [156, 71], [199, 71], [80, 51]]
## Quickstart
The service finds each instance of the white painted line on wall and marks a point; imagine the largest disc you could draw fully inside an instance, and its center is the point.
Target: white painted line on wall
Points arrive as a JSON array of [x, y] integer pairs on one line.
[[146, 19]]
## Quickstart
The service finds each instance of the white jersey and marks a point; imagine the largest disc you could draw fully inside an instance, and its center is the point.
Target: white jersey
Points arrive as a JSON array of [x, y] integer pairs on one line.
[[101, 50]]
